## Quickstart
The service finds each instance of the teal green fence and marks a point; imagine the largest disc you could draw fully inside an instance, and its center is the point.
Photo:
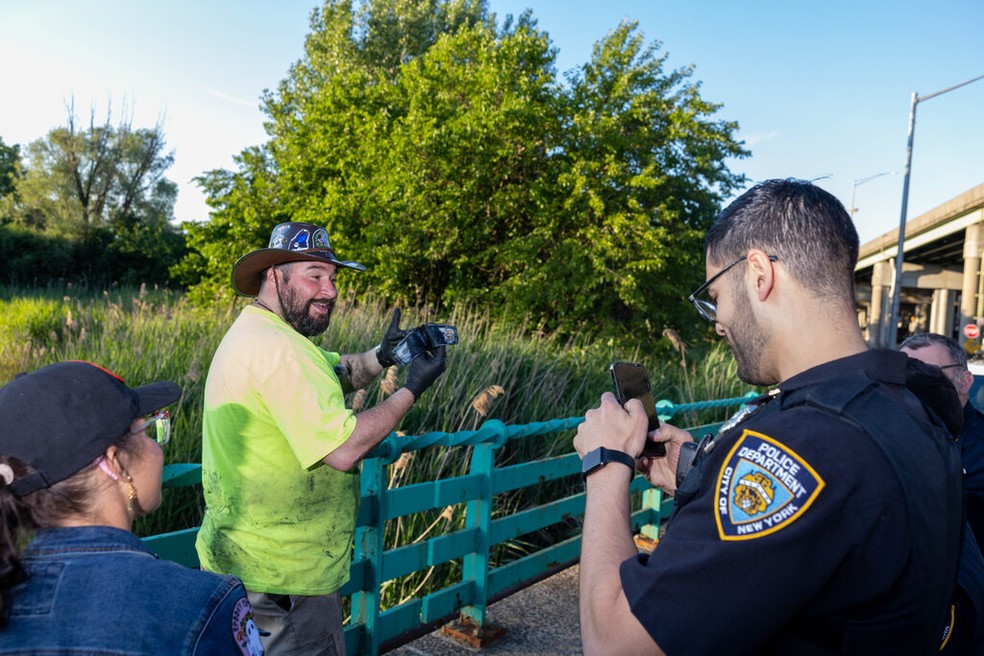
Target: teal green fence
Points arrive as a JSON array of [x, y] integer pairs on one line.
[[371, 627]]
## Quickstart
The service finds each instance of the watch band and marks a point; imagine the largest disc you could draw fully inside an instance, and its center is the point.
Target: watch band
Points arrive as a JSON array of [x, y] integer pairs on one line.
[[598, 458]]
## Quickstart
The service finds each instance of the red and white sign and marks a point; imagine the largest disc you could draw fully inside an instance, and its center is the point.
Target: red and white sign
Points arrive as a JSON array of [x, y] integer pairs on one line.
[[972, 331]]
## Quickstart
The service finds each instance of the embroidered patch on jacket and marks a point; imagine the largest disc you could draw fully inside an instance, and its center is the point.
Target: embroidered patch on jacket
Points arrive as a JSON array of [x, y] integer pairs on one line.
[[763, 486], [244, 630]]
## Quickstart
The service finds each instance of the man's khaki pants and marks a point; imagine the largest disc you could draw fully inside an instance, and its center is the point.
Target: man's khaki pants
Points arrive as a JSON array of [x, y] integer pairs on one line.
[[299, 625]]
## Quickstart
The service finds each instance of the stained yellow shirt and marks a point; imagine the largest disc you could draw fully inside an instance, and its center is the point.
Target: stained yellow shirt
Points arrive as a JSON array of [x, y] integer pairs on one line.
[[276, 516]]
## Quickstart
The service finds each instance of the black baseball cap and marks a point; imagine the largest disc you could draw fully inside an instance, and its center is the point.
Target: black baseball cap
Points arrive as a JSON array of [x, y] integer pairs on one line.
[[60, 418]]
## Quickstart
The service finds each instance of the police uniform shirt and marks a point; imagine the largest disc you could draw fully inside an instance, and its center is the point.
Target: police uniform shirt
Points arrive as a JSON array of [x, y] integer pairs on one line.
[[972, 455], [794, 515]]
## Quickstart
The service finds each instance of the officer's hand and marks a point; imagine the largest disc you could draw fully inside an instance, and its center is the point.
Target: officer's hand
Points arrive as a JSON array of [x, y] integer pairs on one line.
[[425, 369], [613, 427], [392, 337], [661, 472]]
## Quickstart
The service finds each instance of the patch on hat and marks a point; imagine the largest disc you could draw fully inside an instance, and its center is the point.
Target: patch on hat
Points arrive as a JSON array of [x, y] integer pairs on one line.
[[763, 487], [244, 630], [279, 235], [320, 239]]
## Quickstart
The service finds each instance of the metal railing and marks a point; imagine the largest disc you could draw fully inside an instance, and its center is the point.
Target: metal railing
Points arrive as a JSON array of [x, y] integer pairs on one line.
[[372, 627]]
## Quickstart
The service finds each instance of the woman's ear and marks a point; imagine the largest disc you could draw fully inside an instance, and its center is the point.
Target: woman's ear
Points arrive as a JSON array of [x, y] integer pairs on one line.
[[109, 463]]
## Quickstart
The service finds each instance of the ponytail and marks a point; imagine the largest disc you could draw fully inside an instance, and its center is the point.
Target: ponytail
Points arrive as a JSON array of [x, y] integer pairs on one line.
[[14, 520]]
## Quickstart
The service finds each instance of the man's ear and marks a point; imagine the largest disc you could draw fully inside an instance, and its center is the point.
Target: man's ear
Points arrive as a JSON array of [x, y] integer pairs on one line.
[[763, 271], [266, 278], [965, 383]]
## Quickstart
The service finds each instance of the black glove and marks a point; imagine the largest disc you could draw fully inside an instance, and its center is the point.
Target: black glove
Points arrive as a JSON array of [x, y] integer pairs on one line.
[[393, 336], [425, 370]]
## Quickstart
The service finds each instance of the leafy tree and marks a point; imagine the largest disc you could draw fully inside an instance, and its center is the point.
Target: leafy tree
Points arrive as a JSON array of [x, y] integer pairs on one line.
[[9, 159], [442, 151], [31, 258], [245, 207], [77, 181], [103, 190], [640, 176]]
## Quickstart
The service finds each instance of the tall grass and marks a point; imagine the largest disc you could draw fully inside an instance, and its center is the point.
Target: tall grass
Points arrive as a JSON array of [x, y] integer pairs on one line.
[[496, 371]]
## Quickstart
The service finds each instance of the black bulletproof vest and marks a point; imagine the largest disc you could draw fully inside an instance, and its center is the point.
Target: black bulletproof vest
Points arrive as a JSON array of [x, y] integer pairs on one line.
[[917, 446]]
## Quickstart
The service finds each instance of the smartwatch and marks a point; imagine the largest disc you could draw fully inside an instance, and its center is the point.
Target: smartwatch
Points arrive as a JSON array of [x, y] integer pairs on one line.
[[598, 458]]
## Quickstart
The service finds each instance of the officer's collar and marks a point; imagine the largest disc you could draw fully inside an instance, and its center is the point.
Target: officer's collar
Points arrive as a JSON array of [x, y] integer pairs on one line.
[[880, 365]]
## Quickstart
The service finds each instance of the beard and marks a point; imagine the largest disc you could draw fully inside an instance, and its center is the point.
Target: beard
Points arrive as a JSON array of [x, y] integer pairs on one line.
[[297, 313], [747, 341]]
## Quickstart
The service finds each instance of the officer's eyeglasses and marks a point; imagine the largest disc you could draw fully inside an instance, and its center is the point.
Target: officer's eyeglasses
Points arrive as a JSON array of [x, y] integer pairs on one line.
[[707, 307], [157, 425], [952, 376]]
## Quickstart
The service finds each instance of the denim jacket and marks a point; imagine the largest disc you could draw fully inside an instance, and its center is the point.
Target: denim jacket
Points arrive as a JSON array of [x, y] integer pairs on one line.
[[99, 590]]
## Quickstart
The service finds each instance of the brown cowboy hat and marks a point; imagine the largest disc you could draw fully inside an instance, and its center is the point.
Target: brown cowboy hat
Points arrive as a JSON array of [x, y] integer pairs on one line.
[[289, 242]]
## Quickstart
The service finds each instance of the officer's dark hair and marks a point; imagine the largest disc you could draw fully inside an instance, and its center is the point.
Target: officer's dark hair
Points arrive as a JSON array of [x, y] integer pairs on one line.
[[922, 340], [805, 227]]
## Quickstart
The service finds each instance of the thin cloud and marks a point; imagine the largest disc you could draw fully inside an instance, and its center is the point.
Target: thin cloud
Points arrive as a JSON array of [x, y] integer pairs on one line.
[[252, 104], [755, 138]]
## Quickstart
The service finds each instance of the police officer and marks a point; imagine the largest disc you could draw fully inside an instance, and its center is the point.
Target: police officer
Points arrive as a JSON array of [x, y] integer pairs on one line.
[[967, 632], [805, 526], [945, 353]]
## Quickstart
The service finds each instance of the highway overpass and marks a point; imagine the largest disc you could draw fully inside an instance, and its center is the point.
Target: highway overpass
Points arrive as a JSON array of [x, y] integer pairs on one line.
[[942, 288]]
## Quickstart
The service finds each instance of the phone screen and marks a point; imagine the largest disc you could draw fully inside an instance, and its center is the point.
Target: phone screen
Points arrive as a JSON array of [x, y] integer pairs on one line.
[[632, 382]]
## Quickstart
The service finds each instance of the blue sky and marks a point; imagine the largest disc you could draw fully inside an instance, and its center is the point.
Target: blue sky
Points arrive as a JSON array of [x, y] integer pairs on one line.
[[820, 89]]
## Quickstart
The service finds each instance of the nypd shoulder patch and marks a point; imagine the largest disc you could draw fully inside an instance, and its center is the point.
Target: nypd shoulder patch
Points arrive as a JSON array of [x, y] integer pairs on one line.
[[763, 487]]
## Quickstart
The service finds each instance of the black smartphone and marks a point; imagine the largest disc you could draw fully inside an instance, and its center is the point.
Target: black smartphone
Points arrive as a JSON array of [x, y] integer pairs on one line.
[[632, 382]]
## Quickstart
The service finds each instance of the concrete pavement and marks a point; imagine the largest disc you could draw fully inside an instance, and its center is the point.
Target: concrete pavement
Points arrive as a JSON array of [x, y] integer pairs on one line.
[[541, 620]]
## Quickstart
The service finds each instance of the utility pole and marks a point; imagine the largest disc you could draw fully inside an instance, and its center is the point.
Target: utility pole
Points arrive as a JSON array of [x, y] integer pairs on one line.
[[893, 326]]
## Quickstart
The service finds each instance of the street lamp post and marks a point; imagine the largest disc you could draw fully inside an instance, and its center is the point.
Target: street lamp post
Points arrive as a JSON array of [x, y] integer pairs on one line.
[[860, 181], [893, 327]]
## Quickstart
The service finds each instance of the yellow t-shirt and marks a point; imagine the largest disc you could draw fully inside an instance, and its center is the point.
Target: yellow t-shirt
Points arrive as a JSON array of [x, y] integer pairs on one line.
[[275, 516]]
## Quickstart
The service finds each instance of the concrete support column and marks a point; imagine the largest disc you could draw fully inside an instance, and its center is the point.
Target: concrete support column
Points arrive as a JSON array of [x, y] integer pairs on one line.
[[949, 315], [881, 279], [941, 314], [934, 312], [921, 317], [973, 242]]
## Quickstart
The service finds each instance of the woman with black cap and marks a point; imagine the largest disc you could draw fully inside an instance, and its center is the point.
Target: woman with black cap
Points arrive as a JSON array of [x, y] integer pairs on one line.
[[80, 459]]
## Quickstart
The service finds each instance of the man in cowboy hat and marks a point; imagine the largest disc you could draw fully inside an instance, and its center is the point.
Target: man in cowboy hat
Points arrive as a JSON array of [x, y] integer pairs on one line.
[[279, 445]]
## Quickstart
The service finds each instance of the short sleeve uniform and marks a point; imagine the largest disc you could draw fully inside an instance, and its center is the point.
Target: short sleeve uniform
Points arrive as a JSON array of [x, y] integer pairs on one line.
[[972, 454], [793, 518]]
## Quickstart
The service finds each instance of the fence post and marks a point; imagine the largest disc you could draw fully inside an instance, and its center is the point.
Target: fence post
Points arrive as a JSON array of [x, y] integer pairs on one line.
[[652, 500], [478, 515], [369, 546]]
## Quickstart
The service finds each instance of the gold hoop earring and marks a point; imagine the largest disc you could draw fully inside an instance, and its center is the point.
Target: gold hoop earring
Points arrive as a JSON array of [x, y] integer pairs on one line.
[[131, 493]]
